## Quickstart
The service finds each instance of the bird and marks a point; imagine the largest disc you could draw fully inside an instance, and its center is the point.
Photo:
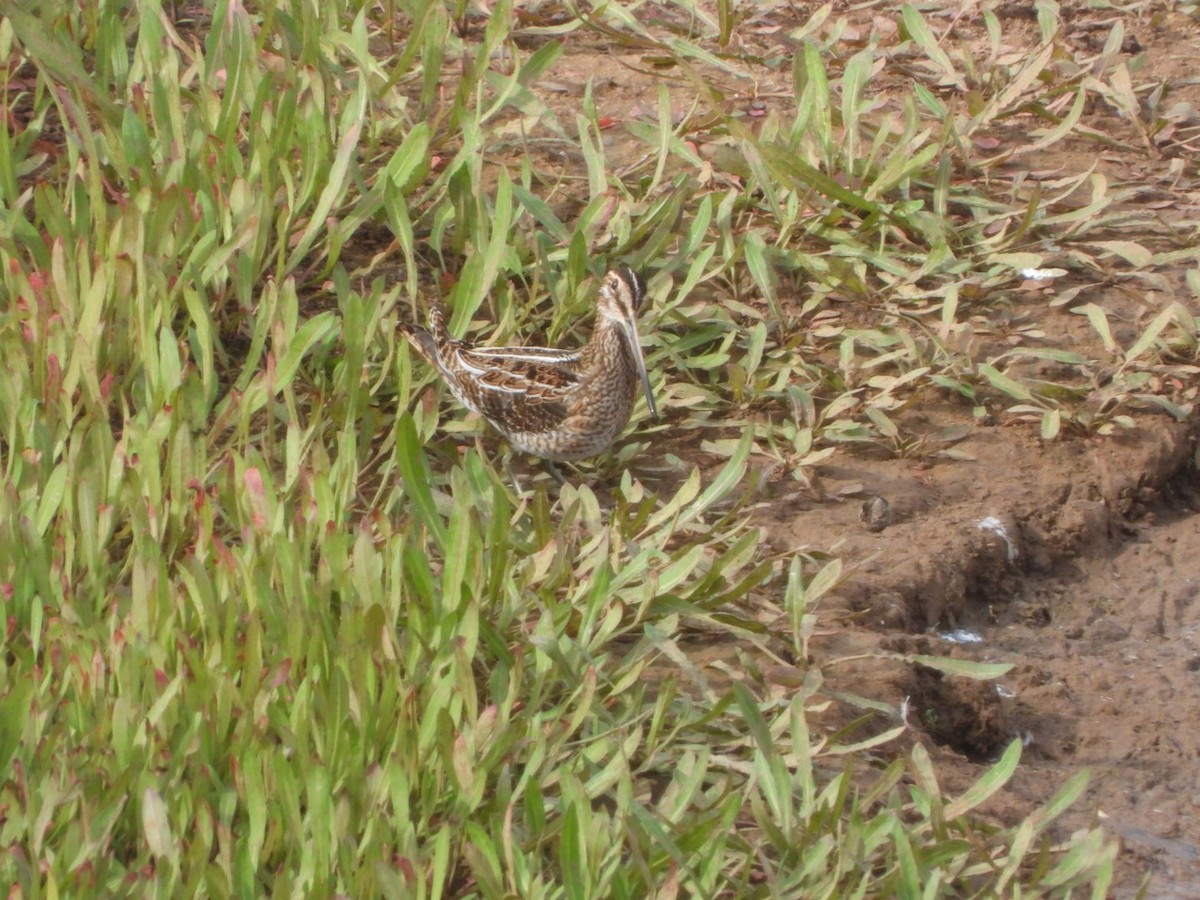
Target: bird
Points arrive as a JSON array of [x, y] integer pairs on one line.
[[560, 405]]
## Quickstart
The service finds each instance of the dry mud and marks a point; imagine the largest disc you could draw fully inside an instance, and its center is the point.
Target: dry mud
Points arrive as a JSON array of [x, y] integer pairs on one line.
[[1078, 562]]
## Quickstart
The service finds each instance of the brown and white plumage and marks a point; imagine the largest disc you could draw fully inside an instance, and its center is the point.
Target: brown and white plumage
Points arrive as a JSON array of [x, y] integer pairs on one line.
[[556, 404]]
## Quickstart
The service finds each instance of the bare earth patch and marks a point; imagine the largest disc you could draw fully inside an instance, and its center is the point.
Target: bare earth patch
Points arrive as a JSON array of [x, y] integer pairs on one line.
[[1080, 563], [1077, 559]]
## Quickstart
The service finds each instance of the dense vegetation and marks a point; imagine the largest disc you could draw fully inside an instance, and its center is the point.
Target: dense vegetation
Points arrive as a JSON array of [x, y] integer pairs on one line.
[[277, 625]]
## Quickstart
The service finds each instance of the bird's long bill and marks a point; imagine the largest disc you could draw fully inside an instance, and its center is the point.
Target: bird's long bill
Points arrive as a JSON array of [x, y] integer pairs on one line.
[[635, 346]]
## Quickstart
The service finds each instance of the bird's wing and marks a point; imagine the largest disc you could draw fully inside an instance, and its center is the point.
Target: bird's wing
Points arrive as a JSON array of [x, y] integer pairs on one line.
[[534, 374]]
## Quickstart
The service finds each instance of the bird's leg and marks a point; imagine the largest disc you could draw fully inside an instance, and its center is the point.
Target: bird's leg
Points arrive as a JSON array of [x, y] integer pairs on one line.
[[554, 471], [512, 477]]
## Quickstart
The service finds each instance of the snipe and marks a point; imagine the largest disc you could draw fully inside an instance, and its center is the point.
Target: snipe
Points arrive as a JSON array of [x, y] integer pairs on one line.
[[557, 404]]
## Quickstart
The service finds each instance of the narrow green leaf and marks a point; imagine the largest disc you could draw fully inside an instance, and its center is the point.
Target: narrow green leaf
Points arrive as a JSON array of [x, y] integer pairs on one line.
[[799, 175], [573, 850], [1002, 382], [15, 711], [335, 182], [1051, 424], [919, 32], [319, 328], [728, 478], [414, 469], [1099, 319], [1147, 338], [753, 718], [52, 497], [966, 668], [410, 163], [993, 780], [1132, 252]]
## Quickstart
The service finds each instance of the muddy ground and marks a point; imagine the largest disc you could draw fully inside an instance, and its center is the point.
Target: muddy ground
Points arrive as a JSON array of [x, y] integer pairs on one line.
[[1077, 560], [1080, 564]]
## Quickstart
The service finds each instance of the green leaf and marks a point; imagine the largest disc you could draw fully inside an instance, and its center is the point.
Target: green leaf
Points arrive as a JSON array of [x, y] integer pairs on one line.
[[1099, 319], [919, 32], [52, 497], [319, 328], [1148, 337], [15, 710], [1002, 382], [753, 719], [414, 469], [728, 478], [992, 781], [410, 163], [964, 667], [799, 175], [1051, 424], [1131, 251], [335, 181]]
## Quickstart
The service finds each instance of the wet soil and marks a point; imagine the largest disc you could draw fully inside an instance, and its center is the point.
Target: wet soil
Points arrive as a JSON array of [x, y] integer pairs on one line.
[[1079, 563], [1077, 560]]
